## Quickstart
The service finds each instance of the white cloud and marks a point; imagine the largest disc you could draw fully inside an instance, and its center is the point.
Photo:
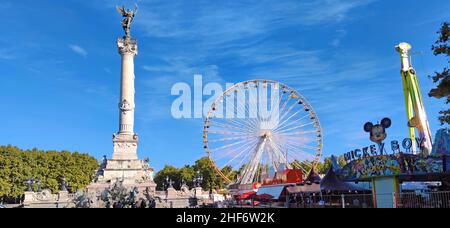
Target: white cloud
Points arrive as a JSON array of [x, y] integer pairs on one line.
[[78, 50], [224, 22], [323, 11], [340, 34]]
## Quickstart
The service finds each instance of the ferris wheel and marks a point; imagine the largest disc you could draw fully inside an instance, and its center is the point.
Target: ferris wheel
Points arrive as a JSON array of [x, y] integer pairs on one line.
[[258, 126]]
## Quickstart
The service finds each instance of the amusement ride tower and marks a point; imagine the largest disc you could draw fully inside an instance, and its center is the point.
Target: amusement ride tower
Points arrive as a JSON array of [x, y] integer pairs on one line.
[[415, 110]]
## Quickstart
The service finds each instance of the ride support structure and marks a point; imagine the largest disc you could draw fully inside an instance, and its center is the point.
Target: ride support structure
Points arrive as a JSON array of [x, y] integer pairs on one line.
[[415, 110]]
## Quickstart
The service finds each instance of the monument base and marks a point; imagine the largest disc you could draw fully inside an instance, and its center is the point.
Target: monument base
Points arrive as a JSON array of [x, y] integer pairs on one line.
[[125, 146], [132, 173]]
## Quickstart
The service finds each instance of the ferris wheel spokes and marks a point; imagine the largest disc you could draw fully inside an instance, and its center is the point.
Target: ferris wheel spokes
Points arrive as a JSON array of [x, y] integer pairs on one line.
[[250, 169], [242, 147], [282, 159], [299, 133], [235, 127], [293, 128], [274, 138], [300, 152], [295, 121], [235, 157], [284, 121]]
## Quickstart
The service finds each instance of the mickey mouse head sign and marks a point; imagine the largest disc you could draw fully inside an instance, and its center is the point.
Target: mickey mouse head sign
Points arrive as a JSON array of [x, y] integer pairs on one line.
[[378, 131]]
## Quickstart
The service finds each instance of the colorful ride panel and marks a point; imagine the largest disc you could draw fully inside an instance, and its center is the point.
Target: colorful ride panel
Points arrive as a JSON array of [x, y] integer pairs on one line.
[[392, 165]]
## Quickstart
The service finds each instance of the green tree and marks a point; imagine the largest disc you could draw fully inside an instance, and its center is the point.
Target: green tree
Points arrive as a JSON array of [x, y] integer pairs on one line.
[[323, 167], [442, 47], [187, 174], [204, 167], [17, 166], [302, 165], [230, 173], [170, 172]]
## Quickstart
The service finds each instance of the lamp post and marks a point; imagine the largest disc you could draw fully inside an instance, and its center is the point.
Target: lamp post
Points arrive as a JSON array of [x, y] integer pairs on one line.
[[63, 184], [29, 183], [197, 180], [166, 183], [39, 183], [169, 182]]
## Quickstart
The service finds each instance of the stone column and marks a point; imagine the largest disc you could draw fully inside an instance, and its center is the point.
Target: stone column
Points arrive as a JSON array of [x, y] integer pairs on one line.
[[127, 49], [125, 142]]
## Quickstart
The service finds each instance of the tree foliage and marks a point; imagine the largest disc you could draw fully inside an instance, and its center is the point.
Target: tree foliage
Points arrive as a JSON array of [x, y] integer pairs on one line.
[[202, 168], [168, 172], [210, 179], [442, 47], [17, 166], [321, 167]]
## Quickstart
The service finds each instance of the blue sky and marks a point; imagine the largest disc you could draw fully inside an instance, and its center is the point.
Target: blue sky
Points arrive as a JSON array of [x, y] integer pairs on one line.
[[59, 66]]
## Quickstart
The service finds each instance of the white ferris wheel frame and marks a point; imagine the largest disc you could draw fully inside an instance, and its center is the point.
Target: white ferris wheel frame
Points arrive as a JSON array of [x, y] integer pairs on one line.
[[266, 141]]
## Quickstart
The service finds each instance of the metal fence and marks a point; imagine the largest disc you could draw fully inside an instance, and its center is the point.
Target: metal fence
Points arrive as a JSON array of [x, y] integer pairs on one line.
[[401, 200], [423, 200], [331, 201]]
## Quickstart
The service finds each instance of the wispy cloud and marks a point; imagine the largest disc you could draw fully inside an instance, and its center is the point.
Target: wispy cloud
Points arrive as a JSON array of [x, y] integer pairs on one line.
[[226, 22], [323, 11], [340, 34], [78, 50], [198, 36]]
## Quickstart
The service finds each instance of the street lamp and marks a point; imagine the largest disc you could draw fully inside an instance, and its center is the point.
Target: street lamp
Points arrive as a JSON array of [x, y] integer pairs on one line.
[[39, 183], [198, 180], [169, 182], [63, 184]]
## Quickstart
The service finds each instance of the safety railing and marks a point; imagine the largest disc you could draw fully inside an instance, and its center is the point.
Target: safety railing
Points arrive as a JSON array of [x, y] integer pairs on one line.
[[332, 201], [422, 200]]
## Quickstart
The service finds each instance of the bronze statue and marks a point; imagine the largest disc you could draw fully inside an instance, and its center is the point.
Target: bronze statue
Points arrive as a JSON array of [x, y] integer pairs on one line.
[[128, 19], [29, 183]]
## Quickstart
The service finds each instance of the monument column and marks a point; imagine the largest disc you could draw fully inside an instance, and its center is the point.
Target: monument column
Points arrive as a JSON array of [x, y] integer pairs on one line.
[[127, 50], [125, 141], [124, 165]]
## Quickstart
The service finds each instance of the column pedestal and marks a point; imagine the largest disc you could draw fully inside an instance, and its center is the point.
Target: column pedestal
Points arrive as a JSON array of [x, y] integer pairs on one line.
[[125, 147]]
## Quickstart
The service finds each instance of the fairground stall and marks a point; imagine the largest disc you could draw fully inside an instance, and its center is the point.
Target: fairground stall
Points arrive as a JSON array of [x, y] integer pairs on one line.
[[391, 166], [327, 192], [389, 172]]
